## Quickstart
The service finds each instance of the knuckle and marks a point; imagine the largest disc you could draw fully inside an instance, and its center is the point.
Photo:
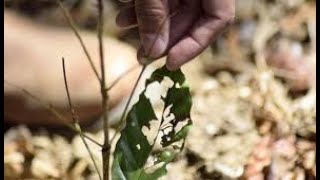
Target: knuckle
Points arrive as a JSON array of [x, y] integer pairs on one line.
[[154, 14], [229, 18]]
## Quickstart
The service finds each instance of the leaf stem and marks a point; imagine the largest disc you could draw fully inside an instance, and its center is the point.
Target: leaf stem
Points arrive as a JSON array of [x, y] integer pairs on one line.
[[122, 118]]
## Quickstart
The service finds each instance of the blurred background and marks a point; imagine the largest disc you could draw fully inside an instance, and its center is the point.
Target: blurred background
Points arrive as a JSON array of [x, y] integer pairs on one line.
[[254, 92]]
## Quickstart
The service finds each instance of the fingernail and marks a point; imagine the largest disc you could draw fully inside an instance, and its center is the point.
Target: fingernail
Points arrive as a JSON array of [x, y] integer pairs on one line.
[[171, 67], [142, 57], [171, 63], [153, 45]]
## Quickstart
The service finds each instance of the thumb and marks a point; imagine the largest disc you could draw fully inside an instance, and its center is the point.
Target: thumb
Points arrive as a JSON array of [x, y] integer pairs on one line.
[[153, 27]]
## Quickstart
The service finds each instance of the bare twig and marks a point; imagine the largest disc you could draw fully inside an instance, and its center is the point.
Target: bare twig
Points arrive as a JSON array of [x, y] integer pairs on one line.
[[74, 29], [76, 120], [104, 94], [122, 118], [50, 108], [72, 110]]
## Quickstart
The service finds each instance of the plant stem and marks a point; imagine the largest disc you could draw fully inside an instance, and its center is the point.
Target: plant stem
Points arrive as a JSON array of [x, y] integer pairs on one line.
[[104, 94], [122, 118]]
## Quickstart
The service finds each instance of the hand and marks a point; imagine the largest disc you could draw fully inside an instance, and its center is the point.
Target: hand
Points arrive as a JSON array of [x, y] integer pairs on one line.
[[180, 29]]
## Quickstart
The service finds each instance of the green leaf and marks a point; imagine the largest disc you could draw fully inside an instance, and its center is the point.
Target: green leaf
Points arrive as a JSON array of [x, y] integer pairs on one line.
[[166, 156], [159, 74], [133, 148], [180, 135], [154, 175], [180, 99]]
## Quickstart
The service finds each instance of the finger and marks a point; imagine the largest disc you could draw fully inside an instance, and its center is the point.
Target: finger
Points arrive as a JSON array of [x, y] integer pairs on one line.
[[142, 58], [153, 26], [126, 17], [191, 46], [183, 20], [182, 16], [217, 16]]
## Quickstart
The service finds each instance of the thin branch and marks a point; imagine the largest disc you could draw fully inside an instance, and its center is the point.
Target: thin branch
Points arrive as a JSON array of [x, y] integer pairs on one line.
[[50, 108], [122, 76], [104, 94], [159, 129], [100, 38], [74, 117], [122, 119], [76, 120], [75, 31]]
